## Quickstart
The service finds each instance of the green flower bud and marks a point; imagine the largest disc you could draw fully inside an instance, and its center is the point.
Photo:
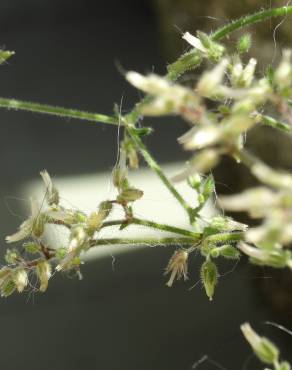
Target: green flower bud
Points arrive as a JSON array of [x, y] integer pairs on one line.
[[61, 253], [31, 247], [284, 366], [265, 350], [226, 251], [194, 181], [244, 43], [7, 288], [5, 55], [11, 256], [38, 226], [208, 187], [209, 276], [105, 209], [93, 223]]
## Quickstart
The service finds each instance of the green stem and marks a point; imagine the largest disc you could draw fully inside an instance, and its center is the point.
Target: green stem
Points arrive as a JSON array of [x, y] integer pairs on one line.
[[222, 238], [192, 59], [157, 169], [154, 225], [249, 20], [187, 61], [144, 241], [56, 111]]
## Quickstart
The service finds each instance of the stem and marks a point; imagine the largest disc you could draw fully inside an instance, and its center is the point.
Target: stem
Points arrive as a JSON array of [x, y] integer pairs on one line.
[[157, 169], [192, 59], [226, 237], [154, 225], [144, 241], [186, 62], [272, 122], [56, 111], [249, 20]]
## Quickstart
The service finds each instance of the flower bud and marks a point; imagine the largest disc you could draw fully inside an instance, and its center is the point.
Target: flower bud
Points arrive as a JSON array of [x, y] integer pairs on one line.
[[32, 247], [242, 77], [284, 366], [222, 223], [105, 208], [264, 349], [20, 279], [95, 220], [23, 232], [130, 195], [77, 237], [209, 276], [43, 271], [210, 82], [283, 74], [52, 194], [251, 200], [38, 226], [5, 55], [7, 287], [200, 137], [244, 43], [226, 251]]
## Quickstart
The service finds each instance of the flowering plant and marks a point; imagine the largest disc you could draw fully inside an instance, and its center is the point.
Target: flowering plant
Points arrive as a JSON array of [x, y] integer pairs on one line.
[[241, 99]]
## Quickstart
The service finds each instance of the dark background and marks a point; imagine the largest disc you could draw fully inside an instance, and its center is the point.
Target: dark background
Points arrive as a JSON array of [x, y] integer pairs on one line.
[[67, 54]]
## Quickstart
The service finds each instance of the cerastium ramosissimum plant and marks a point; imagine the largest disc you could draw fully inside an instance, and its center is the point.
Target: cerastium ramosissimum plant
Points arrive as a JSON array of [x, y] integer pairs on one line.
[[240, 97]]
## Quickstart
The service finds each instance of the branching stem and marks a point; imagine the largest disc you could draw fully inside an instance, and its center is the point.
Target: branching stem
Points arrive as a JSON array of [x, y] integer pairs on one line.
[[157, 169]]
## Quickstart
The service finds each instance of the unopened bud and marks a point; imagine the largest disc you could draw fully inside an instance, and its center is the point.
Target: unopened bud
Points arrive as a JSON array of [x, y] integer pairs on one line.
[[77, 237], [244, 43], [130, 195], [43, 271], [209, 276], [283, 74], [226, 251], [265, 350], [20, 279], [5, 55], [52, 193], [211, 80]]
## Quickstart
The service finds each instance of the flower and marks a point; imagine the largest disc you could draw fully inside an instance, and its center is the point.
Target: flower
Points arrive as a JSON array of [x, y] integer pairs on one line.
[[169, 98], [52, 193], [195, 42], [266, 351], [177, 266], [44, 272], [34, 225]]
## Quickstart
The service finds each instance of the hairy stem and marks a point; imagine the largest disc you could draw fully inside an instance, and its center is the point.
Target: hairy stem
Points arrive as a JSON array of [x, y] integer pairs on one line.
[[157, 169], [56, 111], [143, 241], [248, 20], [192, 59], [187, 61], [154, 225]]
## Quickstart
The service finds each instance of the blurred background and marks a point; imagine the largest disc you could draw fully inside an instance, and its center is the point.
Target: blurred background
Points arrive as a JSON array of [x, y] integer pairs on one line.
[[70, 53]]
